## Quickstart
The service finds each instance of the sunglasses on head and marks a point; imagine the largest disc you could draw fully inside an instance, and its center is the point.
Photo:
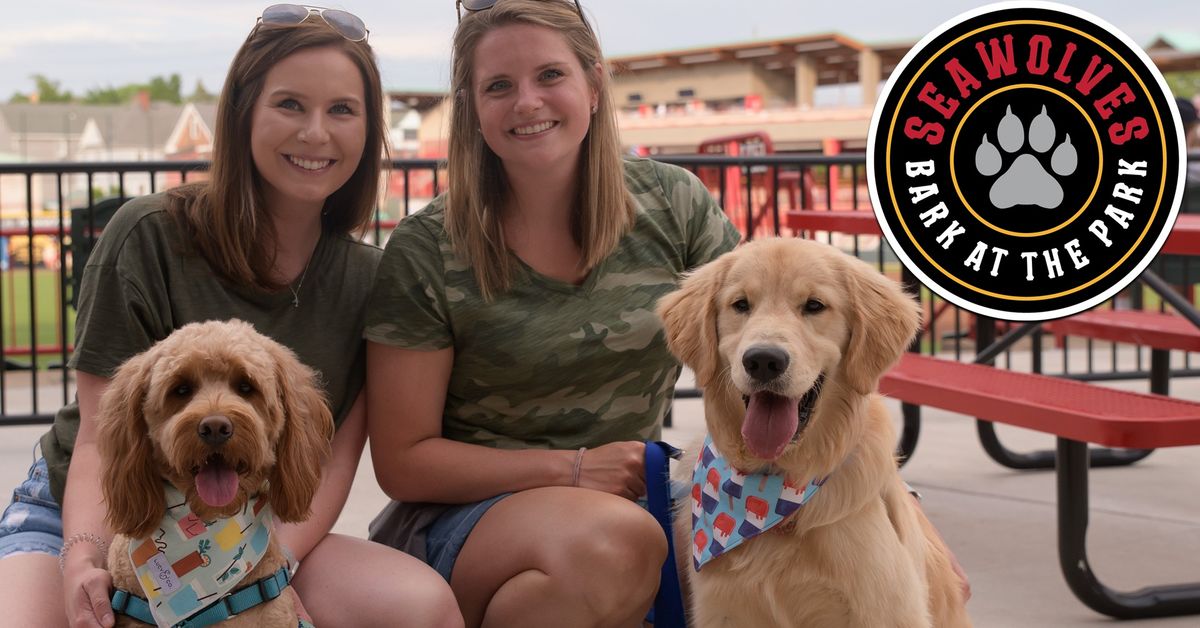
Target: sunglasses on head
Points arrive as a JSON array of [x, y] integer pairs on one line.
[[347, 24], [479, 5]]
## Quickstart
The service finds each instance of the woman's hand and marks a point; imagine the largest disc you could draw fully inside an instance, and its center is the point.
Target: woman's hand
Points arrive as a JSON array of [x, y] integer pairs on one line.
[[87, 588], [617, 468]]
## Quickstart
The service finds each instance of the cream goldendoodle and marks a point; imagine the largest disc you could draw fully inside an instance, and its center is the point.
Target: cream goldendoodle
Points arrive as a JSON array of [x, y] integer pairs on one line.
[[205, 438]]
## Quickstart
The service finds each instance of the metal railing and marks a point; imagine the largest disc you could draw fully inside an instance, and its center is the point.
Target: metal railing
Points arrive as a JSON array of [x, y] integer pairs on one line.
[[56, 219], [50, 216]]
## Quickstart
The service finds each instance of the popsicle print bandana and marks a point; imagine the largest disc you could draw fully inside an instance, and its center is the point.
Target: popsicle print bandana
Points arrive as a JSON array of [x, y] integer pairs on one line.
[[729, 507], [187, 564]]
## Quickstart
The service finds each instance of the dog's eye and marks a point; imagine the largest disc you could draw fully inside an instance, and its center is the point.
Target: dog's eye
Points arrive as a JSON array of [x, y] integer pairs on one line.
[[741, 305], [183, 390], [812, 306], [244, 387]]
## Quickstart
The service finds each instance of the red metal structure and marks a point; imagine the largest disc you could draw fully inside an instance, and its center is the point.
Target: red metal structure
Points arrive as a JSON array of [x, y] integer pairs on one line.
[[749, 189]]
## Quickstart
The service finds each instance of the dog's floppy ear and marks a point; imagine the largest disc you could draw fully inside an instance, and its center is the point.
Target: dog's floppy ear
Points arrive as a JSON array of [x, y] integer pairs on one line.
[[882, 318], [130, 480], [304, 444], [689, 316]]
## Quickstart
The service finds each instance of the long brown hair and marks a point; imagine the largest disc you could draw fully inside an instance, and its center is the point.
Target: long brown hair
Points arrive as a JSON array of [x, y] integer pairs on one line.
[[604, 209], [225, 216]]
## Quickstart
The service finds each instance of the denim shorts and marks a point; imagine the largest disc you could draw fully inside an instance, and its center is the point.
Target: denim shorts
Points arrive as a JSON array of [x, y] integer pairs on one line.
[[445, 537], [32, 523], [448, 533]]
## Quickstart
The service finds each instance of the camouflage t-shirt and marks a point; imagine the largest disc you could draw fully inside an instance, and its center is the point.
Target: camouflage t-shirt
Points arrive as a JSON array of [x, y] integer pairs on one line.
[[550, 364]]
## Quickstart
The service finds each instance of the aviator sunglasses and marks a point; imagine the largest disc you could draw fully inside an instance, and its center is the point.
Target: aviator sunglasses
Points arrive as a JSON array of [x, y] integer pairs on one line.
[[480, 5], [345, 23]]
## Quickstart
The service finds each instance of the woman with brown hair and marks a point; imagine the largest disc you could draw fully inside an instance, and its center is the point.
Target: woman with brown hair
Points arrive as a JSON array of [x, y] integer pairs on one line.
[[515, 361], [271, 238]]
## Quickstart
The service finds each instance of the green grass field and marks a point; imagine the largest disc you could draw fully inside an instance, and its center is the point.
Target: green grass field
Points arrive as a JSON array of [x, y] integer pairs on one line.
[[15, 296]]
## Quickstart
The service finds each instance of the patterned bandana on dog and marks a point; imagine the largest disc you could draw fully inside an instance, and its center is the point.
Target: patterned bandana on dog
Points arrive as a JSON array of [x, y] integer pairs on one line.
[[188, 564], [729, 507]]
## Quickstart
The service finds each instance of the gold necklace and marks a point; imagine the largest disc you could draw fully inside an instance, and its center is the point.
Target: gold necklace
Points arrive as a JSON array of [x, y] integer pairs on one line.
[[296, 290]]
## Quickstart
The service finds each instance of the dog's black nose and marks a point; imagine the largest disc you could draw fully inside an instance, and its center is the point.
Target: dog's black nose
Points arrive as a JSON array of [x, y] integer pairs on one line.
[[215, 430], [765, 363]]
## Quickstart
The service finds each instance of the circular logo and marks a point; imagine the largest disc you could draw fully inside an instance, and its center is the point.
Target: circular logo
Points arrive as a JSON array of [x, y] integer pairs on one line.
[[1026, 161]]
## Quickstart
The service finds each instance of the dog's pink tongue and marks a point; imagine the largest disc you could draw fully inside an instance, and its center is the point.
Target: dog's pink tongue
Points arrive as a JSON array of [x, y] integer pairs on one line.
[[770, 424], [216, 483]]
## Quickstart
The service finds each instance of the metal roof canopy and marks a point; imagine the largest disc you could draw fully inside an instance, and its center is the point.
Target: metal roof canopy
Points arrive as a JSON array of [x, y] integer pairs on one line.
[[836, 56]]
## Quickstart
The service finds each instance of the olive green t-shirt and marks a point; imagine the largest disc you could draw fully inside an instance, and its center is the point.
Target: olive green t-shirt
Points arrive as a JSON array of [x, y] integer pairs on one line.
[[141, 283], [551, 364]]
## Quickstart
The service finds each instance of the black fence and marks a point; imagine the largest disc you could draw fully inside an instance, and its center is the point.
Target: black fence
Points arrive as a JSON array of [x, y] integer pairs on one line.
[[49, 230]]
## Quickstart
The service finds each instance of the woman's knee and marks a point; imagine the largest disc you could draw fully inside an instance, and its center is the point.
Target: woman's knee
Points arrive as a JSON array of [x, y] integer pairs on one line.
[[617, 553], [350, 581], [432, 603], [601, 553], [417, 602]]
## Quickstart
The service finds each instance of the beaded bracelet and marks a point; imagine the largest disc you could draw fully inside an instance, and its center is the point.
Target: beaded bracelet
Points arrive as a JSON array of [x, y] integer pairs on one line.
[[87, 537], [578, 466]]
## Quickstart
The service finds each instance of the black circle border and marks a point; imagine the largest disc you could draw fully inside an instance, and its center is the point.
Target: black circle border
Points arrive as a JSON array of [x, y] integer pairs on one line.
[[1069, 17]]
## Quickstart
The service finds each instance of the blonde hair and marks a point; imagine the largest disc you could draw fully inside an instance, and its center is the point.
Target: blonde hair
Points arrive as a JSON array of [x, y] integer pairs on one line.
[[224, 217], [604, 209]]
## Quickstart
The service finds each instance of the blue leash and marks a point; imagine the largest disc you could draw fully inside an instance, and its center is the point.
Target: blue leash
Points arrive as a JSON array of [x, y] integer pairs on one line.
[[668, 603]]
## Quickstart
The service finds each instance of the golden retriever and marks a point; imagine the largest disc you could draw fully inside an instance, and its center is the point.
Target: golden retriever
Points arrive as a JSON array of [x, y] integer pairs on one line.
[[224, 414], [788, 338]]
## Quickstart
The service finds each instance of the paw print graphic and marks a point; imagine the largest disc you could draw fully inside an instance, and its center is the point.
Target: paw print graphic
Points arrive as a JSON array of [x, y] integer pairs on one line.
[[1025, 180]]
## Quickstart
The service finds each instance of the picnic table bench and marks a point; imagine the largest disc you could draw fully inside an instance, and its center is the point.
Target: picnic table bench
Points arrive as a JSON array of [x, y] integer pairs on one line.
[[1076, 413], [1161, 331]]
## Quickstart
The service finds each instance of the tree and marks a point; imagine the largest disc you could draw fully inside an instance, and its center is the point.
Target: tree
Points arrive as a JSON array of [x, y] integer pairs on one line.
[[48, 90], [200, 94], [109, 95], [160, 88], [166, 89]]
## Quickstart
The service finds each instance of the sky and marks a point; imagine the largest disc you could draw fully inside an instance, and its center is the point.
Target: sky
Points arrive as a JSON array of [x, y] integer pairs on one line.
[[85, 44]]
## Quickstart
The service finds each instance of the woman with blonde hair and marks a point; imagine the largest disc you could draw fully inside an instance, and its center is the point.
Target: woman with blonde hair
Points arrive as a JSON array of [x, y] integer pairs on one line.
[[271, 238], [515, 362]]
